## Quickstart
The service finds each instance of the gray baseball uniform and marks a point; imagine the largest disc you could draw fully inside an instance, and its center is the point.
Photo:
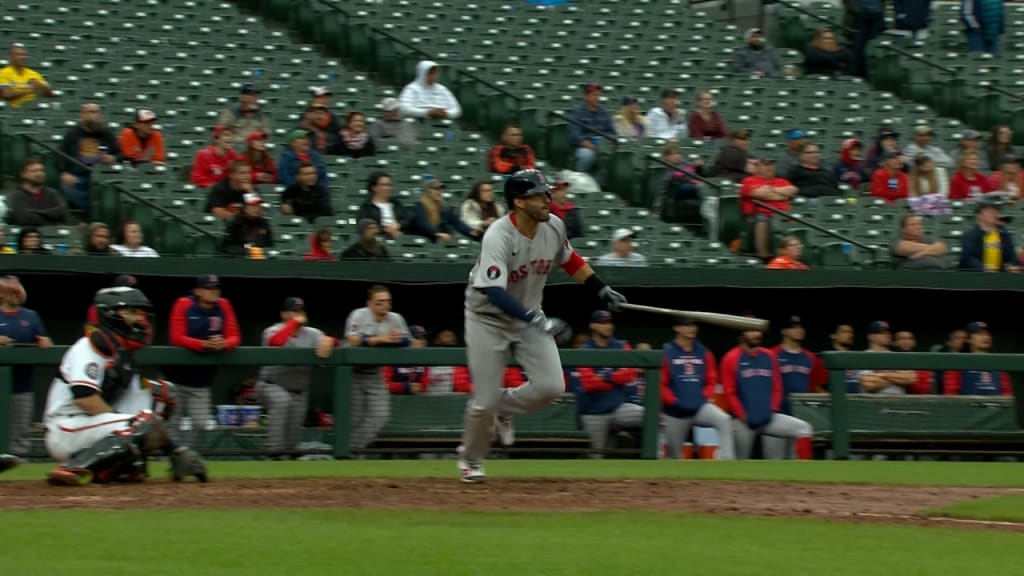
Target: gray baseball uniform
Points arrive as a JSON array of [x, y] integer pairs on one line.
[[677, 429], [371, 403], [283, 390], [510, 260]]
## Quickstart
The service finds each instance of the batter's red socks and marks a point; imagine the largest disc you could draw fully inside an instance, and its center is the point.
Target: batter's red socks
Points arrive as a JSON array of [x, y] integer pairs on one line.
[[804, 449]]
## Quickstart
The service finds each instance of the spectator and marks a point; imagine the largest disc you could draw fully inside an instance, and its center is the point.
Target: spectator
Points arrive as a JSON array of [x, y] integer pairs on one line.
[[622, 253], [734, 161], [864, 20], [140, 142], [810, 178], [790, 251], [390, 128], [33, 204], [999, 145], [988, 246], [825, 57], [889, 182], [261, 164], [30, 241], [628, 121], [922, 144], [355, 141], [306, 197], [435, 220], [1009, 178], [912, 17], [366, 247], [97, 240], [772, 191], [568, 212], [977, 382], [389, 215], [795, 141], [589, 122], [756, 57], [320, 244], [299, 152], [224, 199], [705, 122], [204, 323], [887, 141], [511, 155], [667, 120], [86, 144], [479, 210], [913, 250], [928, 178], [247, 117], [984, 20], [425, 97], [969, 181], [679, 195], [323, 126], [129, 241], [248, 233], [212, 164], [20, 326], [851, 168], [970, 140], [19, 83]]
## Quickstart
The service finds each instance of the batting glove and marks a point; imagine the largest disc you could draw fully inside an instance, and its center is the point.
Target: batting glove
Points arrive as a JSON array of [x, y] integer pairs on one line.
[[611, 298], [553, 326]]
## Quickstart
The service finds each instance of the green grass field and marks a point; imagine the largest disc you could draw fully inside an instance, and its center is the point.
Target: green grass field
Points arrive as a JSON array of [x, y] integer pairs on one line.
[[395, 542]]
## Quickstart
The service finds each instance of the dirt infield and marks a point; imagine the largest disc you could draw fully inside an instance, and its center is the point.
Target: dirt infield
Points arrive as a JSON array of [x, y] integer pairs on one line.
[[894, 504]]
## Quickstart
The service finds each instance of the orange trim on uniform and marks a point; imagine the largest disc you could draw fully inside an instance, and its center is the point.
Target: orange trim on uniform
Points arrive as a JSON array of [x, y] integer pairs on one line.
[[97, 425]]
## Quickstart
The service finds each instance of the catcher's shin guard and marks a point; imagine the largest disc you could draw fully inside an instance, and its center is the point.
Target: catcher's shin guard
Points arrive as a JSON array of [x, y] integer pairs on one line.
[[102, 462]]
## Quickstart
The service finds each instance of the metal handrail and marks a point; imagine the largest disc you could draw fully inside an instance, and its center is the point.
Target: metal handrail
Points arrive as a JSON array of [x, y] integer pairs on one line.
[[610, 137], [798, 8], [657, 159], [121, 189], [818, 227]]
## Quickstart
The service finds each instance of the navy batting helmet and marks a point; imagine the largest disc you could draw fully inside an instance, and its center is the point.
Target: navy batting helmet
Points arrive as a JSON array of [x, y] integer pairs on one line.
[[525, 183]]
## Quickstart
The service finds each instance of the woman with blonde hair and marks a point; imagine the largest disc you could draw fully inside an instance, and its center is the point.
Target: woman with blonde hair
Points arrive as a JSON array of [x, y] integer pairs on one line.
[[926, 178], [628, 121], [969, 181], [435, 220]]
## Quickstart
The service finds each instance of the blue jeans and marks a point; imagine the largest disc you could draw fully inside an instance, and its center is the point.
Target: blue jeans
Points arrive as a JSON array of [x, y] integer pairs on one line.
[[77, 194], [982, 41], [585, 159]]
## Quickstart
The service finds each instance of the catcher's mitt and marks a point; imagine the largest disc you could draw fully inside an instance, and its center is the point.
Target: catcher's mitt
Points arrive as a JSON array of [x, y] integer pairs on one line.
[[187, 462]]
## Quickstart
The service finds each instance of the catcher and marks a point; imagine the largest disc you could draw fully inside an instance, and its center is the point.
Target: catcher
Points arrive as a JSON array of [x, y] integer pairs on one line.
[[102, 419]]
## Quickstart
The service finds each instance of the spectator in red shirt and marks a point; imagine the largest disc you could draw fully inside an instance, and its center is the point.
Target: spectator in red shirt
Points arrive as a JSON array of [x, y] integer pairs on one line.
[[705, 121], [889, 181], [212, 163], [789, 255], [773, 191], [969, 181], [1009, 178], [263, 169]]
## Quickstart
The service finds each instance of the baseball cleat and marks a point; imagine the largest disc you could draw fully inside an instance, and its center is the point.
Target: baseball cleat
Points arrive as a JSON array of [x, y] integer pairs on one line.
[[506, 430], [69, 476], [7, 462], [470, 472]]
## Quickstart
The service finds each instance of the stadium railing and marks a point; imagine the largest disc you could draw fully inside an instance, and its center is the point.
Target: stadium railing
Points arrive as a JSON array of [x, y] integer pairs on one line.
[[342, 362]]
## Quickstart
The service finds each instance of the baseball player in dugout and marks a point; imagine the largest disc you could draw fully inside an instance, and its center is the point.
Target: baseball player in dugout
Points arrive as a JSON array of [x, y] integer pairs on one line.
[[102, 418], [205, 323], [284, 390], [504, 316], [20, 326], [372, 325]]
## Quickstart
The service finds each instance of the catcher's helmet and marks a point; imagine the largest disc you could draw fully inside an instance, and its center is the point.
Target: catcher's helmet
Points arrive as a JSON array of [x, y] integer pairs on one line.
[[525, 183], [109, 300]]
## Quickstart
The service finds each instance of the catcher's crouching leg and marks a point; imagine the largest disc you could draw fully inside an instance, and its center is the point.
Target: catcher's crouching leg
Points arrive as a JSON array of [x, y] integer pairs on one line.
[[150, 430]]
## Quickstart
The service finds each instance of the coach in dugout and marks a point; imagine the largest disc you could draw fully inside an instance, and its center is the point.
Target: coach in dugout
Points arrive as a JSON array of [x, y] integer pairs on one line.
[[284, 390], [201, 322]]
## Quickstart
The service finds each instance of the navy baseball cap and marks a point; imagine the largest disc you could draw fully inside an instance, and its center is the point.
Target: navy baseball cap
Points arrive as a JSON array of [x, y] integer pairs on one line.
[[208, 281], [975, 327], [601, 317], [791, 322], [418, 331], [292, 304], [250, 88], [878, 327], [126, 280]]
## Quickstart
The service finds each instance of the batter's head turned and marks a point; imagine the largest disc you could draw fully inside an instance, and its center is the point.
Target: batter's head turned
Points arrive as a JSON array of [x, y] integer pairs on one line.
[[525, 184]]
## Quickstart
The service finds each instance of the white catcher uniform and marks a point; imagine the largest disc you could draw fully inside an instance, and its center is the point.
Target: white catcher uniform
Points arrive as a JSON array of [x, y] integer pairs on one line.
[[519, 264], [68, 428]]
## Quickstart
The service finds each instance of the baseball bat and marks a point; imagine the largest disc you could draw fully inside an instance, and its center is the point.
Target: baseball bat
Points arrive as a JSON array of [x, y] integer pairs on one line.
[[724, 320]]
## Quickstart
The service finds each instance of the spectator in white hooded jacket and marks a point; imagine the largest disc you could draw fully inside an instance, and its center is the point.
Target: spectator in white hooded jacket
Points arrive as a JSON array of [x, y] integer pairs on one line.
[[425, 97]]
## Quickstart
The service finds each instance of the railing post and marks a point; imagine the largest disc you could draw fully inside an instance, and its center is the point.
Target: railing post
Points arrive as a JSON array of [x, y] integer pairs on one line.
[[6, 378], [652, 411], [840, 416], [342, 411]]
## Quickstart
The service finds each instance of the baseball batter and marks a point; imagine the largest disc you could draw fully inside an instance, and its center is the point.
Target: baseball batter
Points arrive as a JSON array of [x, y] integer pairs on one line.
[[100, 419], [504, 316], [372, 325], [284, 390]]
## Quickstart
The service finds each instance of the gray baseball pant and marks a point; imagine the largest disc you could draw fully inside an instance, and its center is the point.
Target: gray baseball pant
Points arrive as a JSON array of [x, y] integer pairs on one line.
[[371, 408], [21, 421], [194, 403], [286, 412], [597, 425], [786, 447], [780, 426], [488, 348], [677, 429]]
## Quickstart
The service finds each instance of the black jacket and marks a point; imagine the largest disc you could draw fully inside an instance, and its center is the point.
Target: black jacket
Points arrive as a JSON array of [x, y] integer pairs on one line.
[[972, 248]]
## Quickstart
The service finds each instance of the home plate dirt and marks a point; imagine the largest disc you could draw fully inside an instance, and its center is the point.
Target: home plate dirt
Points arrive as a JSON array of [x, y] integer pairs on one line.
[[860, 502]]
